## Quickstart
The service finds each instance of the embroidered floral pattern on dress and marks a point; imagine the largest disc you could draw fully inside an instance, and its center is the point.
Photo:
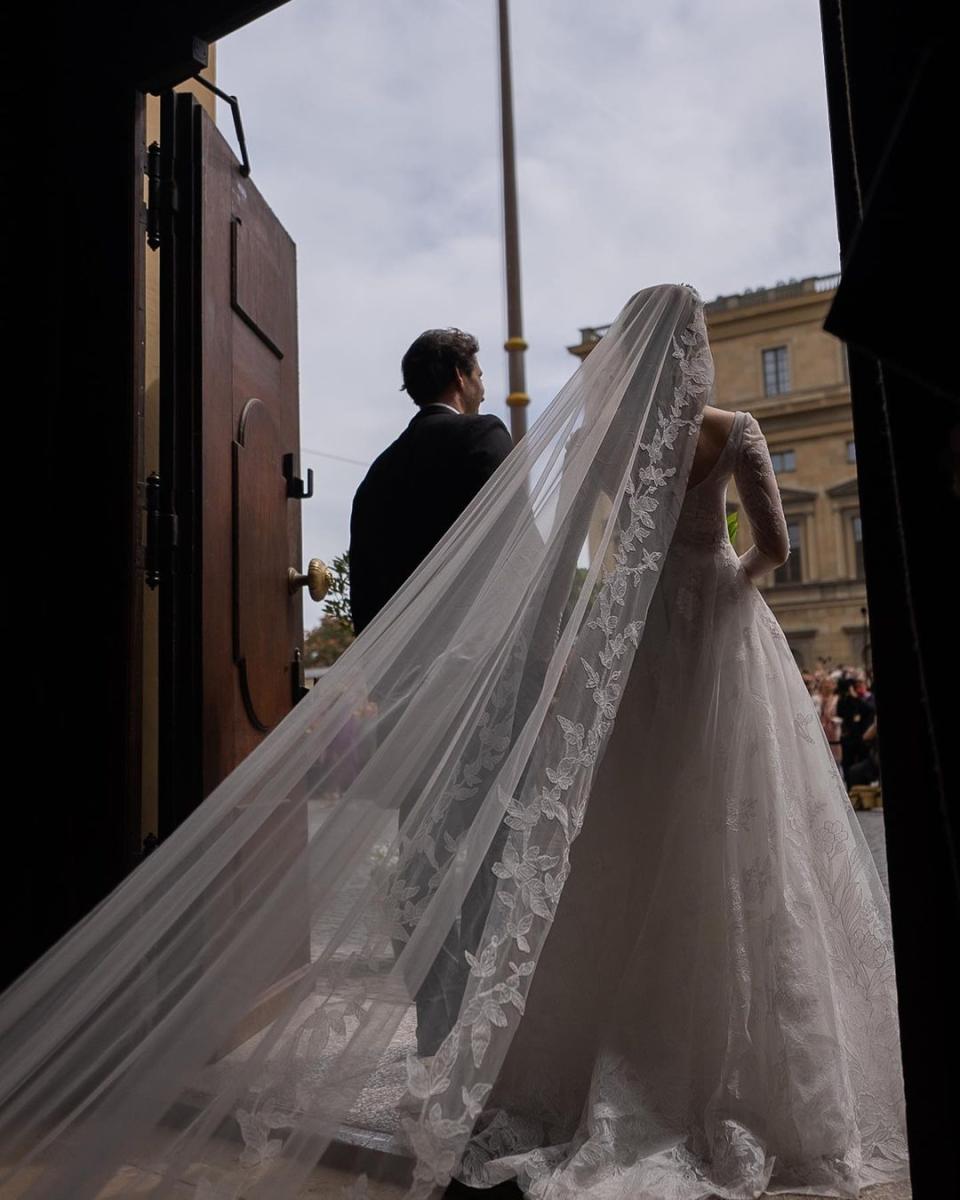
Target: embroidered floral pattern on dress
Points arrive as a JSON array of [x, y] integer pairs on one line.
[[760, 495], [804, 873]]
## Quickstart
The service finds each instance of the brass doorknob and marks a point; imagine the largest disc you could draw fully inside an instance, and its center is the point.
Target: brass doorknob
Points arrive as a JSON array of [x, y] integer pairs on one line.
[[317, 579]]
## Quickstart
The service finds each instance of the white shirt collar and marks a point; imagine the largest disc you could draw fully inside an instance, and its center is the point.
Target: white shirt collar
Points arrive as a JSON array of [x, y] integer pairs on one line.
[[440, 404]]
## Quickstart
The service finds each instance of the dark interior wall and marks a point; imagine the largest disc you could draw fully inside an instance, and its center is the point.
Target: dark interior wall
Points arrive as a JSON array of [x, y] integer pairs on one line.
[[910, 521], [70, 828], [73, 91], [889, 84]]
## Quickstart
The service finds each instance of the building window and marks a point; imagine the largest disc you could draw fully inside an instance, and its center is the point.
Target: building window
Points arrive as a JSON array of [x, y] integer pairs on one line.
[[776, 371], [783, 460], [792, 569], [851, 452], [857, 547]]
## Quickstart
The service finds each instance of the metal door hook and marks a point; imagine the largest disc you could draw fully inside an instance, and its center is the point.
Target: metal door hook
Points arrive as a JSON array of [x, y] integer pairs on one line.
[[237, 123]]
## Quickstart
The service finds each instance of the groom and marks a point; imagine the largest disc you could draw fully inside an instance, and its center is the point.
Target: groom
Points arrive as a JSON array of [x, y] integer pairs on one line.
[[419, 485], [412, 494]]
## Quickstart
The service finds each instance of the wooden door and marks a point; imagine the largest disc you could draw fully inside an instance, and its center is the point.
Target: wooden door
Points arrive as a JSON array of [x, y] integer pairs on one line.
[[231, 628]]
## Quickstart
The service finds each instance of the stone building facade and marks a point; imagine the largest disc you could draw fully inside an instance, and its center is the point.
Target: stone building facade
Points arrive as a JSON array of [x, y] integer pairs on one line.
[[774, 360]]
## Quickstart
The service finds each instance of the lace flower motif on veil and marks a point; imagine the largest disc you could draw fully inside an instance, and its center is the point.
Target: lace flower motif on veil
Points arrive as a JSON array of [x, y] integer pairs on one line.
[[535, 861]]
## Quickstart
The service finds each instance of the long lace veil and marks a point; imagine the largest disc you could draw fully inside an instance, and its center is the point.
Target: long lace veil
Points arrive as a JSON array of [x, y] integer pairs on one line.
[[310, 987]]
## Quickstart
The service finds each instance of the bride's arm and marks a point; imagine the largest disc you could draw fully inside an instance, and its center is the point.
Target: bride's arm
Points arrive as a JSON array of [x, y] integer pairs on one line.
[[760, 497]]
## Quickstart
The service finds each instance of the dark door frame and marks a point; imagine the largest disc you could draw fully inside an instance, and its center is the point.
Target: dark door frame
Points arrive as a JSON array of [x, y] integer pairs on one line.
[[180, 686], [890, 87]]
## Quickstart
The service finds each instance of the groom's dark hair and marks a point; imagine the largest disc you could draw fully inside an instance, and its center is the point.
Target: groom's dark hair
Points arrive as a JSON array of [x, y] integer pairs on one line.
[[429, 367]]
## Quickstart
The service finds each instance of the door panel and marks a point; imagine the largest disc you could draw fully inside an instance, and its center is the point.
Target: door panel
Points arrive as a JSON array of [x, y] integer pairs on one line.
[[255, 261], [231, 631], [261, 562]]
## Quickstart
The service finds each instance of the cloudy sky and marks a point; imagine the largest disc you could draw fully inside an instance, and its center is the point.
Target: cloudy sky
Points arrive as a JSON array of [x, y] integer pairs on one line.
[[676, 141]]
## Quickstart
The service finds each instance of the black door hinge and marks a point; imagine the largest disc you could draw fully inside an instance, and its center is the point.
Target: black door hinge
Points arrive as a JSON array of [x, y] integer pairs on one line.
[[161, 543], [161, 194], [297, 683]]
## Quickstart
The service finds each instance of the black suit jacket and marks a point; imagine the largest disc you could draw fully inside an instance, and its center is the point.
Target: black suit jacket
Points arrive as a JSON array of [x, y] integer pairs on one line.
[[412, 494]]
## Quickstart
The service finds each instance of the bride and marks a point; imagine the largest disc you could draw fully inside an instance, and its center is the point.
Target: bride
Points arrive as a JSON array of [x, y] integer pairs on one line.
[[647, 942]]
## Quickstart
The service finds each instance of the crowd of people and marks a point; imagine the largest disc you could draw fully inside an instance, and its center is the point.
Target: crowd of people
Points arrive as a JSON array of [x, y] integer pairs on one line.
[[845, 700]]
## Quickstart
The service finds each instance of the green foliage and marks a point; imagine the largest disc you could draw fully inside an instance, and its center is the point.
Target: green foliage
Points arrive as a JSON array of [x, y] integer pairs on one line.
[[324, 644], [337, 601], [733, 523]]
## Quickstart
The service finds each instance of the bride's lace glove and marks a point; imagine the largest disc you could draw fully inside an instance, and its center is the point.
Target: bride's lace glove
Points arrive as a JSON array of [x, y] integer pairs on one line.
[[760, 498]]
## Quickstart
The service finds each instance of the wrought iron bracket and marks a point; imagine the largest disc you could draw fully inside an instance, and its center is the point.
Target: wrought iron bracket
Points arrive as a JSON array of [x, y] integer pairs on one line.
[[237, 123]]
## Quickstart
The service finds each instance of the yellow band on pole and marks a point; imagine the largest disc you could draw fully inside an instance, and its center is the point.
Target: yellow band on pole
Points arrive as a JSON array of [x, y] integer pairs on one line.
[[518, 399], [515, 343]]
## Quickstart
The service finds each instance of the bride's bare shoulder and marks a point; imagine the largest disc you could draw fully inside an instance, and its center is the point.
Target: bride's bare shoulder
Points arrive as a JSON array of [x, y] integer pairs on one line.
[[715, 427], [717, 420], [714, 431]]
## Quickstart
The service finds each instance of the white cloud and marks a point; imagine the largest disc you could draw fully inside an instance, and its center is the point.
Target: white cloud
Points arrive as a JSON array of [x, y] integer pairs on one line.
[[677, 141]]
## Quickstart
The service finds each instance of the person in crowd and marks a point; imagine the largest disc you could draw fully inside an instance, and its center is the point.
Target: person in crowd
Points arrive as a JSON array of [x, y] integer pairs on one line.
[[856, 714], [867, 771], [825, 699]]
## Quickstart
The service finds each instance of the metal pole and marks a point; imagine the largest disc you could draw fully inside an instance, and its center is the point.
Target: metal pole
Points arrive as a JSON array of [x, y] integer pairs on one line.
[[515, 346]]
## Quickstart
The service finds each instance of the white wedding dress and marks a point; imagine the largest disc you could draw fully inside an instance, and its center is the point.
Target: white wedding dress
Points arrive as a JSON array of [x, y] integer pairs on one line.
[[544, 880], [714, 1011]]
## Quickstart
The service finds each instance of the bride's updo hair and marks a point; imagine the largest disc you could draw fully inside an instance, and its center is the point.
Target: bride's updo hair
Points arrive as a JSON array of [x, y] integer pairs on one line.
[[429, 367]]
